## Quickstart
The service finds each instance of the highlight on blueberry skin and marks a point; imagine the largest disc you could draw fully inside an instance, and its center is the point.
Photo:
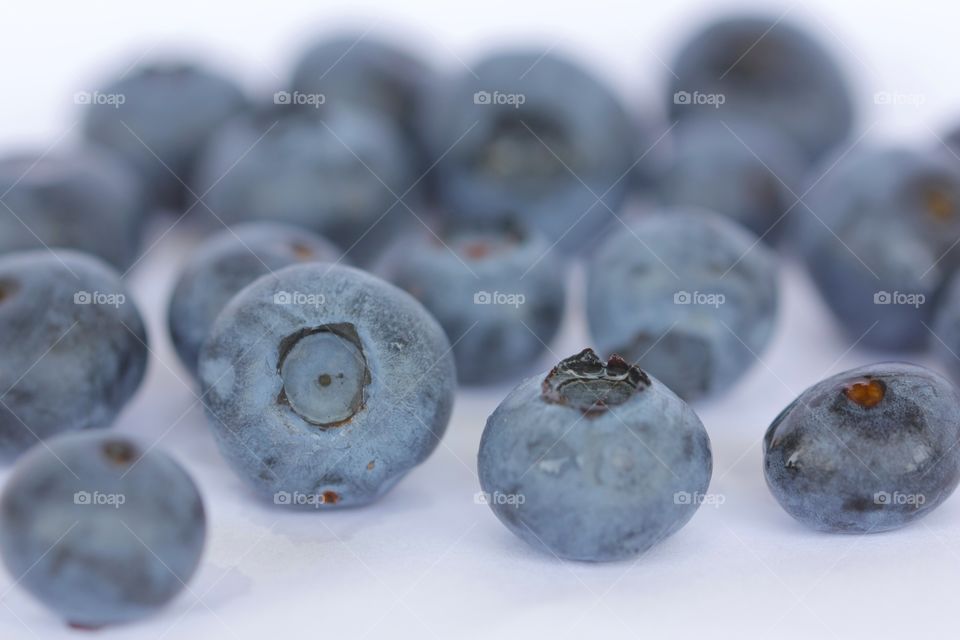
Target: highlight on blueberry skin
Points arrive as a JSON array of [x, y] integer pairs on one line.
[[72, 343], [689, 295], [100, 529], [594, 460], [868, 450], [325, 385], [498, 291], [224, 264]]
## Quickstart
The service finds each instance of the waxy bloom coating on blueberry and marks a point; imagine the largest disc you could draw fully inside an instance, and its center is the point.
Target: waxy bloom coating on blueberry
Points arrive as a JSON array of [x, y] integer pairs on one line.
[[85, 199], [594, 461], [867, 450], [223, 265], [99, 528], [325, 385], [498, 292], [688, 295], [72, 343]]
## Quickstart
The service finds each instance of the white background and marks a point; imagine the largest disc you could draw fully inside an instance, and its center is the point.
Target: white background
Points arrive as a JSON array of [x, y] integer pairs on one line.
[[426, 561]]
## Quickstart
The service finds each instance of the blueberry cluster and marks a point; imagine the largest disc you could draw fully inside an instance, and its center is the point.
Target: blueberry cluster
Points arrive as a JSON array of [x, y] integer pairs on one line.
[[377, 231]]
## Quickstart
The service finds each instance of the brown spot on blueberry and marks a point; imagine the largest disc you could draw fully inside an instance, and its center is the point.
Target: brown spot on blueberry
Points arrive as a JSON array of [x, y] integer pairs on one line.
[[301, 251], [371, 465], [866, 393], [119, 452], [331, 497], [939, 203]]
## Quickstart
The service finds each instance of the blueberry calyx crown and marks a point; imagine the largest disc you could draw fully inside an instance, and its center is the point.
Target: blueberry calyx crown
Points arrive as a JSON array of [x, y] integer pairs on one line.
[[586, 383], [867, 393]]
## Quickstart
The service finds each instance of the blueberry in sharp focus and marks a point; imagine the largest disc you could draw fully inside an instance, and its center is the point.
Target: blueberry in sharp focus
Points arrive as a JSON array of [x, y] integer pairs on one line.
[[158, 116], [99, 528], [867, 450], [224, 264], [740, 168], [325, 385], [877, 231], [764, 69], [534, 133], [689, 295], [72, 343], [83, 199], [497, 291], [339, 172], [594, 461]]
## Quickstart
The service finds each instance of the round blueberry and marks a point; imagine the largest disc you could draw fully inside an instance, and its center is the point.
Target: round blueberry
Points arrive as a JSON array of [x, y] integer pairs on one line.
[[867, 450], [325, 385], [99, 528], [83, 199], [223, 265], [689, 295], [72, 343], [498, 292], [594, 461]]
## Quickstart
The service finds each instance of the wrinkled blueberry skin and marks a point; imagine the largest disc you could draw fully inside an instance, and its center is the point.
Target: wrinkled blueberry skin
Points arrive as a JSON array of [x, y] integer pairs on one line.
[[116, 556], [267, 426], [549, 160], [845, 466], [742, 169], [168, 112], [605, 483], [844, 233], [636, 283], [494, 341], [84, 199], [66, 366], [224, 264], [338, 172], [767, 70]]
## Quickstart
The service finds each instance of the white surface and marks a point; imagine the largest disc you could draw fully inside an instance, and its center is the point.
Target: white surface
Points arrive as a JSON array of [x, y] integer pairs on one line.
[[426, 561]]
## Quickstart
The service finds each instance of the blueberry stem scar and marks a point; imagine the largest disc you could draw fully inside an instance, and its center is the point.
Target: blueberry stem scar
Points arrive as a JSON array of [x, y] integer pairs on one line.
[[586, 383], [866, 393]]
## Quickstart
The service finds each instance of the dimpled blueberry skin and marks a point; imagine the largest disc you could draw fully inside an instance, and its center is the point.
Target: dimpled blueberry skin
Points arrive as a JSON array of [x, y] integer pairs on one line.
[[594, 482], [338, 172], [224, 264], [295, 441], [865, 199], [767, 70], [167, 114], [494, 341], [100, 528], [641, 289], [83, 199], [66, 366], [867, 450], [550, 159], [740, 168]]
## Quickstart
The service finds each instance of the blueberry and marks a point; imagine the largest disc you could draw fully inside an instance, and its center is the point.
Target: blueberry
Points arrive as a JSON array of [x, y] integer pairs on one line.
[[99, 528], [497, 292], [325, 385], [82, 199], [688, 295], [224, 264], [766, 69], [867, 450], [946, 328], [339, 173], [742, 169], [594, 461], [877, 233], [72, 343], [158, 117], [532, 134]]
